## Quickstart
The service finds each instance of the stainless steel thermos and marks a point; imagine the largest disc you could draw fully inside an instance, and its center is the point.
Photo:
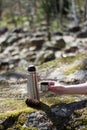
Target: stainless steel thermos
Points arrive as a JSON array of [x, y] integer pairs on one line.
[[32, 85]]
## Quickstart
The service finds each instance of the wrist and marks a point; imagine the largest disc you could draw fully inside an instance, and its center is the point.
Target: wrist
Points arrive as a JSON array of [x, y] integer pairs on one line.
[[57, 89]]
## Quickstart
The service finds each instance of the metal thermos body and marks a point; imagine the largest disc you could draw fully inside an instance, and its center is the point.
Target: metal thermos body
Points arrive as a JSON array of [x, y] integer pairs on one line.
[[32, 86]]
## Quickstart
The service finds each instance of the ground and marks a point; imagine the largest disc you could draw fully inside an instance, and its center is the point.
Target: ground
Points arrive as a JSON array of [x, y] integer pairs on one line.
[[70, 110]]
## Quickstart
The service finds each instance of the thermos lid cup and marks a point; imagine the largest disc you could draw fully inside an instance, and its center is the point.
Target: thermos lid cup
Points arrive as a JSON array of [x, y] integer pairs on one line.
[[49, 83], [44, 83], [31, 68]]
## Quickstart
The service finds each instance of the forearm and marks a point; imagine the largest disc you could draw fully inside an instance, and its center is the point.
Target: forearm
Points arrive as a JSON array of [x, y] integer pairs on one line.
[[70, 89], [76, 89]]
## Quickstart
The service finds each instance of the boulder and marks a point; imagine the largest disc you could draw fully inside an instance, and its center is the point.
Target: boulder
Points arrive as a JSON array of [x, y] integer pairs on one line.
[[12, 38], [39, 34], [82, 33], [74, 29], [4, 65], [3, 30], [45, 56], [56, 33], [38, 42], [72, 49], [57, 43], [60, 43], [17, 30]]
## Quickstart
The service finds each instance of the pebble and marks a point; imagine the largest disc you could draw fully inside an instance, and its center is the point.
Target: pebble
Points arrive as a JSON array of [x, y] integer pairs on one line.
[[39, 120]]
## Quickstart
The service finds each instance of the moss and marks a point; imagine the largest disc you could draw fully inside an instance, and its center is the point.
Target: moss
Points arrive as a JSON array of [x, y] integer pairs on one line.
[[50, 101], [19, 127], [62, 60], [83, 118], [71, 68], [13, 106], [78, 120]]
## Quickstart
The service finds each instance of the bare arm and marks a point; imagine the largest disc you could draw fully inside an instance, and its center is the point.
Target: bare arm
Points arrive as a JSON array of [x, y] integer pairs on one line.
[[69, 89]]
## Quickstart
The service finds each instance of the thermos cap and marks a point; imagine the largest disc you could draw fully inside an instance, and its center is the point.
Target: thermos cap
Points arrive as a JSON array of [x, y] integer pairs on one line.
[[44, 83], [47, 83], [31, 68]]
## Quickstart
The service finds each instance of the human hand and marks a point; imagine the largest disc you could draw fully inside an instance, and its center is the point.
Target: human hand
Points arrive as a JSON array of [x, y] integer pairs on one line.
[[56, 88]]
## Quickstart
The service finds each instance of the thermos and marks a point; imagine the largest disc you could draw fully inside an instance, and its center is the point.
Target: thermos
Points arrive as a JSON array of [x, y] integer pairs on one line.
[[32, 86]]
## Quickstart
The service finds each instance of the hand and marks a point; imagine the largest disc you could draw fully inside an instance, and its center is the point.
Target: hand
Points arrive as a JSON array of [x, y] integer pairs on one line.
[[56, 88]]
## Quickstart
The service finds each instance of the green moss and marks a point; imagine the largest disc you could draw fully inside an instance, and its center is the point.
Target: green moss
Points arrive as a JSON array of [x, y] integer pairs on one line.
[[67, 65], [62, 60], [50, 101], [13, 108]]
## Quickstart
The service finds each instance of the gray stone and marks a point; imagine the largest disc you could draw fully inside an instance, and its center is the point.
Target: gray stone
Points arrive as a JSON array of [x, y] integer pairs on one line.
[[80, 75], [61, 111], [39, 34], [82, 33], [3, 30], [12, 38], [44, 56], [60, 43], [38, 42], [56, 44], [39, 120]]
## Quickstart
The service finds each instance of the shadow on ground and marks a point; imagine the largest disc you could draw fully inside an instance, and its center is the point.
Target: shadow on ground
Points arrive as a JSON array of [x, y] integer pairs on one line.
[[62, 115]]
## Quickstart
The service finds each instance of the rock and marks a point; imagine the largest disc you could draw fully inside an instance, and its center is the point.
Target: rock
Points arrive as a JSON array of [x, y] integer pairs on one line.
[[43, 28], [9, 62], [72, 49], [2, 39], [23, 42], [12, 39], [56, 44], [3, 30], [74, 29], [39, 34], [82, 33], [38, 42], [14, 60], [64, 55], [58, 54], [79, 75], [59, 43], [17, 30], [4, 65], [57, 33], [11, 50], [68, 39], [39, 120], [31, 56], [27, 55], [56, 74], [61, 111], [45, 56]]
